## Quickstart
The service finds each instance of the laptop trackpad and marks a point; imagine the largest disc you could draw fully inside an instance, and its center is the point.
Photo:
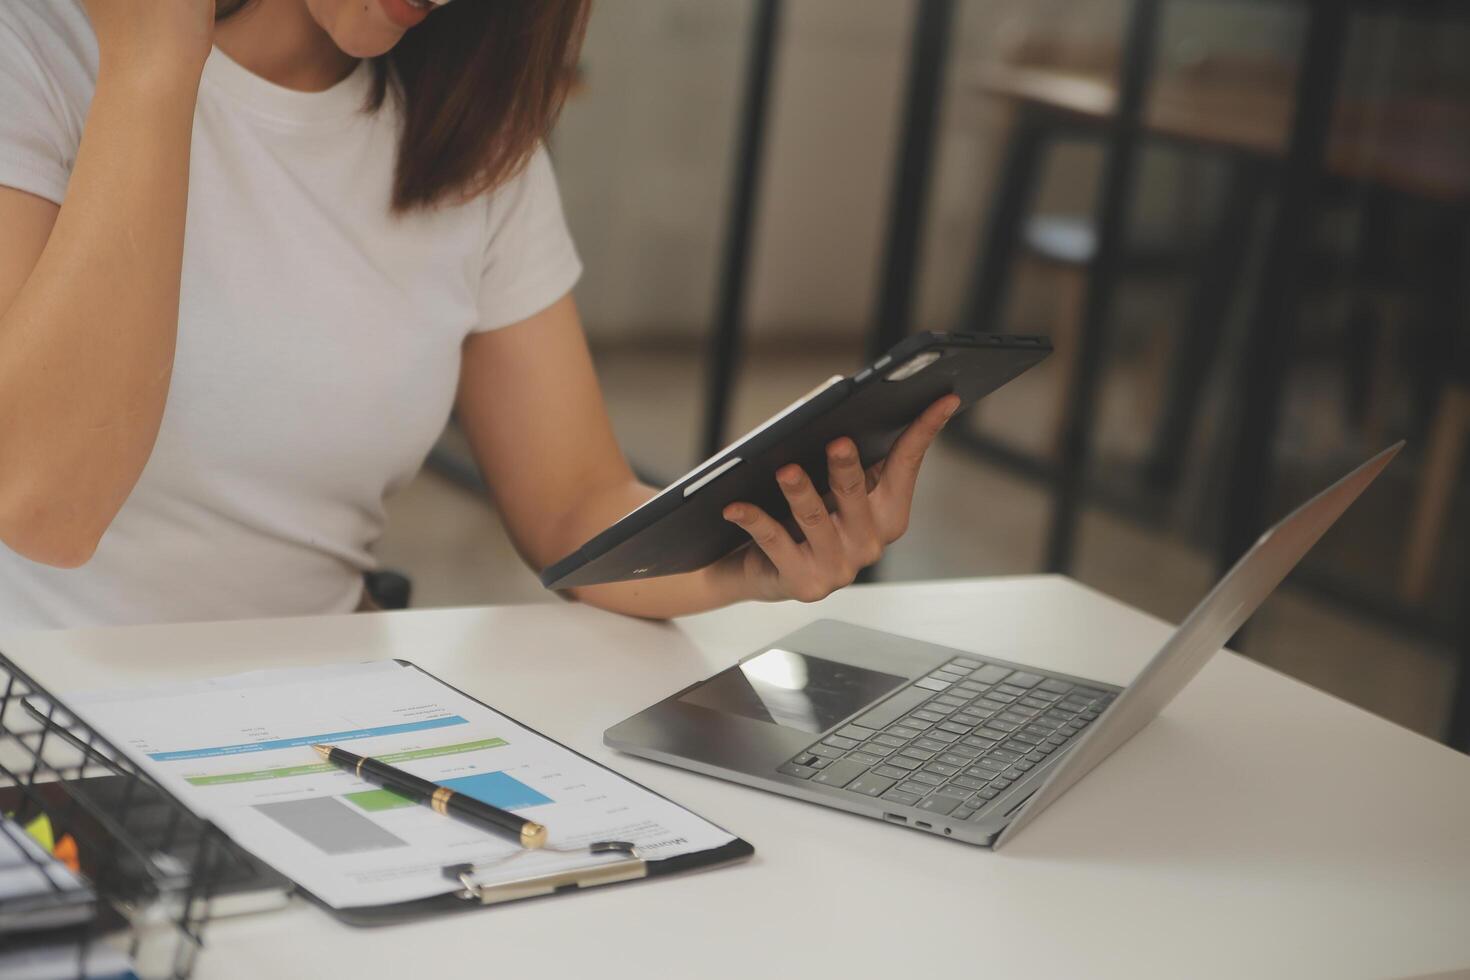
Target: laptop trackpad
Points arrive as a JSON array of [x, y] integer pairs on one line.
[[792, 690]]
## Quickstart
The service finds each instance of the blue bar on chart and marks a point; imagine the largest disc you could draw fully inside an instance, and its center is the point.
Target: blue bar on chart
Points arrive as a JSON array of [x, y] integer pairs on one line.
[[497, 789], [304, 740]]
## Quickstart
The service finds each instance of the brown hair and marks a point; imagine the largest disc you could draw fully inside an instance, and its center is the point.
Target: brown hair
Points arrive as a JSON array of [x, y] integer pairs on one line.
[[481, 83]]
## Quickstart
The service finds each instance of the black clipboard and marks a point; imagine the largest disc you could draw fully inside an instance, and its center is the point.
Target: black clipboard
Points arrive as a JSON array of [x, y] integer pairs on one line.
[[536, 886]]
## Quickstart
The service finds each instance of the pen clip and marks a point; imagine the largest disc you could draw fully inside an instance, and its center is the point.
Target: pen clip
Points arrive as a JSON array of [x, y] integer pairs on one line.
[[630, 868]]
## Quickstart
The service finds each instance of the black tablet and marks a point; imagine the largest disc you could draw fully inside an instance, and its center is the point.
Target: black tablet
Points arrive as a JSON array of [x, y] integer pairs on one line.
[[682, 529]]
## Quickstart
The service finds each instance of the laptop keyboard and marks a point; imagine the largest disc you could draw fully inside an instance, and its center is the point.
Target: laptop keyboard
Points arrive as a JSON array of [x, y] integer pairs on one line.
[[952, 741]]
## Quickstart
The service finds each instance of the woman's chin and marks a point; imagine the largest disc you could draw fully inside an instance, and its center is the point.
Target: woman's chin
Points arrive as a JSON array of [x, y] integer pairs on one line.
[[368, 43], [359, 29]]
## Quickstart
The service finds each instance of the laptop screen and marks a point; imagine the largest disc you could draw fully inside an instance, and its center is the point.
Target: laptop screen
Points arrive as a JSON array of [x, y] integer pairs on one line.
[[1207, 628]]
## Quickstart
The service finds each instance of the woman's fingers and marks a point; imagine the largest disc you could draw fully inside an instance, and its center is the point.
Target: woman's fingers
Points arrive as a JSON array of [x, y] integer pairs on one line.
[[808, 571], [872, 510], [810, 514], [895, 490], [769, 536], [849, 485], [874, 473]]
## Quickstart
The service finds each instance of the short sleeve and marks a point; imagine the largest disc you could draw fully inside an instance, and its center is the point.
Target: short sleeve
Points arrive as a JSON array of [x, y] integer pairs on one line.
[[530, 261], [45, 89]]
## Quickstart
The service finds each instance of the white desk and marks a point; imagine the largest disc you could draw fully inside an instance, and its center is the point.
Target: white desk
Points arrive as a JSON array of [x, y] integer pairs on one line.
[[1257, 829]]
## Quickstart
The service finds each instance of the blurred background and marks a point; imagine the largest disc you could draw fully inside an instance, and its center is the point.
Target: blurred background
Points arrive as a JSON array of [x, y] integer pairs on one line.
[[1245, 224]]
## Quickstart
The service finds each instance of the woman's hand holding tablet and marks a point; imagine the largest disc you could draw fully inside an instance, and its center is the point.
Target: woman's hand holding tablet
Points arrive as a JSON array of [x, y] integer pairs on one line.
[[798, 506], [871, 511]]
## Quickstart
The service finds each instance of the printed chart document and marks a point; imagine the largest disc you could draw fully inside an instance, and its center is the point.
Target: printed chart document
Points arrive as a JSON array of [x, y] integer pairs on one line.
[[238, 751]]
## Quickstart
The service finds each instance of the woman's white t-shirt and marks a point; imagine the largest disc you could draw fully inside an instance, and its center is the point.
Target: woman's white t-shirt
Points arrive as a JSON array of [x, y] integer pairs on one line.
[[318, 343]]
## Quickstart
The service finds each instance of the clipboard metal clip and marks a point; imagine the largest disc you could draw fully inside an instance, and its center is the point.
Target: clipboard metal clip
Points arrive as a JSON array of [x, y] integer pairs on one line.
[[631, 867]]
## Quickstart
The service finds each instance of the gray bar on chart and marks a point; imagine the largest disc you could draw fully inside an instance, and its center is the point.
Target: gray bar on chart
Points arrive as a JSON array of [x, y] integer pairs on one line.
[[330, 825]]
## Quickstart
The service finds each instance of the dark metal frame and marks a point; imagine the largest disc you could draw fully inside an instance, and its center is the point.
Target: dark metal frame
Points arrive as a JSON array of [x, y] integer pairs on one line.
[[1136, 70], [1452, 316], [152, 865], [729, 323], [907, 210], [1017, 180], [1261, 372], [1221, 269]]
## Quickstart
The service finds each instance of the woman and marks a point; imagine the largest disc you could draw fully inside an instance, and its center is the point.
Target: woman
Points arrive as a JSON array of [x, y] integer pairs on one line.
[[251, 258]]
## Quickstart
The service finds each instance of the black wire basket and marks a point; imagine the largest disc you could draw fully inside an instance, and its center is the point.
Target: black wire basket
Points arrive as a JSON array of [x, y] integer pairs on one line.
[[153, 868]]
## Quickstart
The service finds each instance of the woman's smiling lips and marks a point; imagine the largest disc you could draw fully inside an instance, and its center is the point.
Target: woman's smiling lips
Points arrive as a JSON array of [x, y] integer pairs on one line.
[[406, 13]]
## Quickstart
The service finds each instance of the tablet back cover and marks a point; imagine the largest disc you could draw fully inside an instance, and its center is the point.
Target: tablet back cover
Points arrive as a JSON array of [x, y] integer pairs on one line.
[[677, 533]]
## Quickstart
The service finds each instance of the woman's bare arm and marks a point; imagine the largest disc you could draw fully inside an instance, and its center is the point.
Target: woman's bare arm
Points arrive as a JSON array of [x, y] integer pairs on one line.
[[89, 292], [530, 404]]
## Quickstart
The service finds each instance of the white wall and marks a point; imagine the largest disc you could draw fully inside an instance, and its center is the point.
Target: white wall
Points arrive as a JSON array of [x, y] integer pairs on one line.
[[643, 156]]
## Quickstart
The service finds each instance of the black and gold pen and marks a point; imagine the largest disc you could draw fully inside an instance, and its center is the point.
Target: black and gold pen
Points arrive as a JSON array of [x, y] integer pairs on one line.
[[441, 799]]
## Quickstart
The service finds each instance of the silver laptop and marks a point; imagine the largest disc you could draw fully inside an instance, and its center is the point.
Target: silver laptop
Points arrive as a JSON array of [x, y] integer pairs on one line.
[[953, 743]]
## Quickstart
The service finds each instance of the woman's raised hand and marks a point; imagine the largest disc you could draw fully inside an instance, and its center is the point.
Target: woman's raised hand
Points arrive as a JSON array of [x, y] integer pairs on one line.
[[85, 372], [871, 512], [156, 41]]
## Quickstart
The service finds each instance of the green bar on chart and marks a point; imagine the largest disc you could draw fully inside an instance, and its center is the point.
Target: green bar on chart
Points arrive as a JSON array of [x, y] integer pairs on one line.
[[408, 755]]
